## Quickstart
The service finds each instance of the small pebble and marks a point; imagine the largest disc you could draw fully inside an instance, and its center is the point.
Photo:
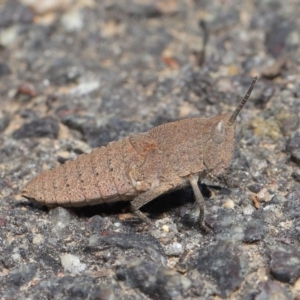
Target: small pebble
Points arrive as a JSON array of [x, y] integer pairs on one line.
[[174, 249], [248, 210], [166, 228], [71, 263], [263, 195], [38, 239], [229, 204]]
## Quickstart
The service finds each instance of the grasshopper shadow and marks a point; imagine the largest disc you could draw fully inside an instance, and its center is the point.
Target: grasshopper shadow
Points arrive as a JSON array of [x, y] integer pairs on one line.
[[162, 204]]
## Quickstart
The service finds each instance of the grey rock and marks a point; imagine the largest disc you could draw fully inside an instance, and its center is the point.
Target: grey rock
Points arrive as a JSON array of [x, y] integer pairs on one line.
[[4, 69], [63, 71], [255, 188], [285, 263], [276, 37], [147, 243], [293, 143], [4, 122], [255, 231], [97, 136], [134, 10], [278, 199], [225, 264], [67, 287], [297, 230], [265, 96], [78, 122], [296, 176], [21, 275], [14, 12], [295, 156], [271, 290], [97, 224], [44, 127], [45, 257], [153, 280], [291, 208], [60, 214], [61, 219]]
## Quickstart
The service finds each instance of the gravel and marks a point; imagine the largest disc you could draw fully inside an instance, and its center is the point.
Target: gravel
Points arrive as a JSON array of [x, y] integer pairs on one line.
[[77, 76]]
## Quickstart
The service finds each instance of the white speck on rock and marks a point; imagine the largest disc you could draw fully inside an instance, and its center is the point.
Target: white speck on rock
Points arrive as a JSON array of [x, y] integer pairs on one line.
[[72, 21], [229, 204], [85, 88], [248, 210], [175, 249], [72, 264], [38, 239], [263, 195]]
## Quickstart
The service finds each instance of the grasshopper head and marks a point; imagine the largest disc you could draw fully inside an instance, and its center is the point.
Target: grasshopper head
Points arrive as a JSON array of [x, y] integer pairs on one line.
[[219, 135]]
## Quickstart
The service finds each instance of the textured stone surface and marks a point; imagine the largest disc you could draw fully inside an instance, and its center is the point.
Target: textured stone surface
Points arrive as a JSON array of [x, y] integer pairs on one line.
[[271, 290], [45, 127], [285, 263], [154, 281], [148, 244], [76, 76], [225, 264]]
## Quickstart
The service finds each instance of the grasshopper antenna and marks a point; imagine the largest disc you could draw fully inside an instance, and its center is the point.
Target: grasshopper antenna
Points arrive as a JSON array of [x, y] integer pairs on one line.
[[243, 102]]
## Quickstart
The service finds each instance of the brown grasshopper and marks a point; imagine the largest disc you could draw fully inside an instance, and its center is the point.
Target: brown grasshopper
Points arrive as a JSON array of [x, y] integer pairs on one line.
[[143, 166]]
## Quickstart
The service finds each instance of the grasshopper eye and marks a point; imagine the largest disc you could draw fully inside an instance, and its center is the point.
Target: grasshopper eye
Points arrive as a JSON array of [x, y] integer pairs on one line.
[[218, 132]]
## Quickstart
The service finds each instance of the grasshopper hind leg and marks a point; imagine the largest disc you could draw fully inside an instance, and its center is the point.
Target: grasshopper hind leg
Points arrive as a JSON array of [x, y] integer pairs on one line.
[[200, 200], [146, 197]]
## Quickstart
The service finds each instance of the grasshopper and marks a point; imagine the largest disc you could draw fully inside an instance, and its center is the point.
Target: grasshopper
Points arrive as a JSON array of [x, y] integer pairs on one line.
[[143, 166]]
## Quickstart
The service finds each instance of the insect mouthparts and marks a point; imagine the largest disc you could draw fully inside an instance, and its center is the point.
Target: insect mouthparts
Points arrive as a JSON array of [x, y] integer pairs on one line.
[[243, 102]]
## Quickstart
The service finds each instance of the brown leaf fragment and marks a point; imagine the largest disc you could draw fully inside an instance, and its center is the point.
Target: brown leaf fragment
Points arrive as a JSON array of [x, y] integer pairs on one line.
[[255, 201]]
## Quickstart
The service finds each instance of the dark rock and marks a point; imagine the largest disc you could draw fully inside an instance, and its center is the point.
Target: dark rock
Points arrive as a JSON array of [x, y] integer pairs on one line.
[[202, 86], [271, 290], [94, 134], [22, 275], [78, 122], [225, 263], [255, 231], [276, 37], [67, 287], [297, 230], [255, 188], [147, 243], [264, 97], [13, 13], [3, 221], [295, 156], [100, 136], [43, 257], [28, 114], [153, 280], [44, 127], [4, 69], [296, 176], [133, 10], [224, 224], [4, 122], [278, 199], [96, 224], [288, 121], [63, 71], [291, 207], [293, 143], [97, 137], [285, 263]]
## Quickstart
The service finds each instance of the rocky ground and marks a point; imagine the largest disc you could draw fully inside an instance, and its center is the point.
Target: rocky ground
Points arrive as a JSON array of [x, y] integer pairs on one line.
[[78, 74]]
